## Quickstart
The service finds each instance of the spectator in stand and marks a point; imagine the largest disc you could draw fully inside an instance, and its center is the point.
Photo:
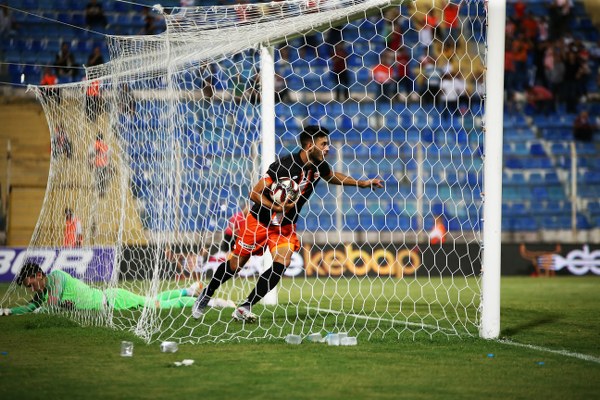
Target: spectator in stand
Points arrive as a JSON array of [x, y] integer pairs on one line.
[[65, 64], [248, 89], [584, 71], [540, 99], [437, 235], [73, 235], [452, 88], [405, 83], [554, 68], [568, 39], [128, 104], [94, 14], [450, 25], [509, 71], [520, 49], [242, 10], [61, 143], [95, 57], [529, 27], [382, 74], [478, 90], [574, 72], [7, 23], [284, 70], [510, 28], [333, 37], [395, 39], [519, 10], [428, 26], [207, 85], [583, 128], [543, 33], [282, 92], [539, 56], [448, 61], [100, 156], [595, 53], [93, 100], [560, 16], [430, 80], [49, 78], [150, 27], [339, 70]]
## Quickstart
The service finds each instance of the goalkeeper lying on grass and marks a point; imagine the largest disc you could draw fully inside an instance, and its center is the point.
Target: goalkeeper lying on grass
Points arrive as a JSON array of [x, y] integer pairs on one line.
[[59, 289]]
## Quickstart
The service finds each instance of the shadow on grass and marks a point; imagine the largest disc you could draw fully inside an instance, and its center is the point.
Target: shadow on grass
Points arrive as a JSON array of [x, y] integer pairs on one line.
[[49, 321], [530, 324]]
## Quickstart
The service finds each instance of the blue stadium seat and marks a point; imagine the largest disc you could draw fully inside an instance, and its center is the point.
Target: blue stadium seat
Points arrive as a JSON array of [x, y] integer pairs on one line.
[[560, 149], [537, 149], [593, 207], [551, 178], [516, 178], [525, 223]]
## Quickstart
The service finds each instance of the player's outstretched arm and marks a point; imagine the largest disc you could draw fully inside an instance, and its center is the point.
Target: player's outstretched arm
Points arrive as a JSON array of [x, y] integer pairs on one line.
[[337, 178], [36, 303], [33, 305]]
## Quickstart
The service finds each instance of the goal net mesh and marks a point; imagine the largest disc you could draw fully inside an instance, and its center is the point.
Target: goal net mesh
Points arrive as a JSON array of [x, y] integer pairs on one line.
[[156, 150]]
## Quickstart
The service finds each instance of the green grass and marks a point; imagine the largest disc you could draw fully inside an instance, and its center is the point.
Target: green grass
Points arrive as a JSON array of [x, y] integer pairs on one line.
[[43, 356]]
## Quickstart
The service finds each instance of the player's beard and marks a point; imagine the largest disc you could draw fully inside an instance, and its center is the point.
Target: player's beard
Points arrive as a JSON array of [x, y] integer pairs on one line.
[[316, 156]]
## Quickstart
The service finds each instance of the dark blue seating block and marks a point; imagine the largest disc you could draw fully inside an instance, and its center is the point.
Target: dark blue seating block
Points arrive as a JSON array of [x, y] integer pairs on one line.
[[527, 224]]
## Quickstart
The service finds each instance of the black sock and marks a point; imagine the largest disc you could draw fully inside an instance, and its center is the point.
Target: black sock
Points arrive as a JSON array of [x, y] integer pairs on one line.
[[267, 281], [221, 275]]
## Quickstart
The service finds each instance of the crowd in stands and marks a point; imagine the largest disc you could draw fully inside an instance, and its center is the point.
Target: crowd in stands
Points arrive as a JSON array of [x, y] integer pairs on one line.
[[547, 68], [550, 68], [545, 64]]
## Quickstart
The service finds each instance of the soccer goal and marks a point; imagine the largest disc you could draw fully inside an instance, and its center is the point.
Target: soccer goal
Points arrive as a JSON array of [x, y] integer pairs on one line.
[[167, 139]]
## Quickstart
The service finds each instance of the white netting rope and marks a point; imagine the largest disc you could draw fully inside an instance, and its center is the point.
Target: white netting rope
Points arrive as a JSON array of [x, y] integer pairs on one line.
[[180, 113]]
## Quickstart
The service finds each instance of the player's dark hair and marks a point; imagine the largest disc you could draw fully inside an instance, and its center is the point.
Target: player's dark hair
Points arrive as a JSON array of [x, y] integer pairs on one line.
[[312, 133], [28, 269]]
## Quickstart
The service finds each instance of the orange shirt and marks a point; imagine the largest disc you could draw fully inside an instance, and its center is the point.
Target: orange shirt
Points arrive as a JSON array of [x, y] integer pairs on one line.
[[72, 237], [519, 49], [101, 149], [451, 15], [438, 234], [93, 89], [382, 73], [49, 79]]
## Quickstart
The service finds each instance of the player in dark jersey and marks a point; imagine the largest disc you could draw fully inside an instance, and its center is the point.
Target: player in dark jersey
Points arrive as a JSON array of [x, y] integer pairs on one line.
[[274, 226]]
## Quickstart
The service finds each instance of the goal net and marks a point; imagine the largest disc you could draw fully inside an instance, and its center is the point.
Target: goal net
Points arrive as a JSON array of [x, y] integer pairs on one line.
[[155, 151]]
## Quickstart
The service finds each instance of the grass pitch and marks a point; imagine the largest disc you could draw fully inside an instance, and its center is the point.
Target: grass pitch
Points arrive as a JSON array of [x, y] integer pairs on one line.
[[551, 350]]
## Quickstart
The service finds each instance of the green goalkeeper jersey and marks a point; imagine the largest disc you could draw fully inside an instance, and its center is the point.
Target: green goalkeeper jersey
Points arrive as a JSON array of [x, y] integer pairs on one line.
[[66, 289], [63, 290]]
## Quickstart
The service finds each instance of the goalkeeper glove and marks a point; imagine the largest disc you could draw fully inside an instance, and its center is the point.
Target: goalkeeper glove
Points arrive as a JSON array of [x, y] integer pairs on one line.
[[5, 311]]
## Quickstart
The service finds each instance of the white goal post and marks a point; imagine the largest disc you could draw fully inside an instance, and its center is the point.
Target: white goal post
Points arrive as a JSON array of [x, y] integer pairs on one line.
[[492, 211], [168, 138]]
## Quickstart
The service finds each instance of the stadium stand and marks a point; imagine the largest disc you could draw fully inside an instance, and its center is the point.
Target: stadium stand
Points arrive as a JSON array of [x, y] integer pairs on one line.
[[538, 151]]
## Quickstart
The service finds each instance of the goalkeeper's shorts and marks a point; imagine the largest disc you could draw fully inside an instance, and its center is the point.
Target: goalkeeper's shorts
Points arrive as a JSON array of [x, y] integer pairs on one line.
[[254, 237]]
